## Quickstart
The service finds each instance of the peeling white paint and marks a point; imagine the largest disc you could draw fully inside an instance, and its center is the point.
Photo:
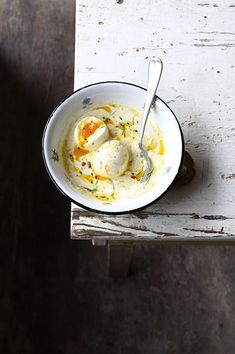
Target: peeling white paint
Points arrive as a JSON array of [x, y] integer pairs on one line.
[[197, 45]]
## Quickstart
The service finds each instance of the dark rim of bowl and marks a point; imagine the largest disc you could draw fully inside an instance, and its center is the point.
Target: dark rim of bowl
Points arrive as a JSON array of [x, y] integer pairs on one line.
[[82, 205]]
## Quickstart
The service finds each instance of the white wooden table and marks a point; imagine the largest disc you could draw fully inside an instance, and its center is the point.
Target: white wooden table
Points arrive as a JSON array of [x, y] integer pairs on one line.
[[196, 41]]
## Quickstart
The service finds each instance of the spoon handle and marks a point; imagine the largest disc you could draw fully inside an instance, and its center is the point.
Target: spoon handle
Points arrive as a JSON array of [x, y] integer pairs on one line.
[[154, 75]]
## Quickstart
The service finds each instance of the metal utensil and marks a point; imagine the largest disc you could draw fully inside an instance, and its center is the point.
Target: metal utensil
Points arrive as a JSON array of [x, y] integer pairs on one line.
[[154, 75]]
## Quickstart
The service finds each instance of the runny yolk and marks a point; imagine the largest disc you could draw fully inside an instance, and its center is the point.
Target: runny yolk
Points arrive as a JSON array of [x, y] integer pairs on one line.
[[78, 152], [89, 129]]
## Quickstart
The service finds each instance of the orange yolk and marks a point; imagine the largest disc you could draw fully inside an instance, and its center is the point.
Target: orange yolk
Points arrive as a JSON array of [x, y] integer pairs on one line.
[[79, 152], [89, 129]]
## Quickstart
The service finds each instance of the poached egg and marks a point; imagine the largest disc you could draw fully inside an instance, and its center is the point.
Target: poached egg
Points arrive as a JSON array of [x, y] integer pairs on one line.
[[111, 159], [90, 133]]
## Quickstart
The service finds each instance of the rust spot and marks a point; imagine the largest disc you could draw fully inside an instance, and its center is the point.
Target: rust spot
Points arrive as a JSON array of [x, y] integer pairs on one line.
[[54, 155]]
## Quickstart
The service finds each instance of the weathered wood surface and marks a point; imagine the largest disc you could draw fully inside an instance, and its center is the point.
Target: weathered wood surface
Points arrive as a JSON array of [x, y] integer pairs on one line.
[[196, 41]]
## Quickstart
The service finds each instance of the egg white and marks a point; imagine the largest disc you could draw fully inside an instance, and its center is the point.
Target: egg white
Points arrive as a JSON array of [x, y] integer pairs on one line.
[[111, 159]]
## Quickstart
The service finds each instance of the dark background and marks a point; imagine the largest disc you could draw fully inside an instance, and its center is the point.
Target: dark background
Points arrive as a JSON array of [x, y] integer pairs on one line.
[[55, 294]]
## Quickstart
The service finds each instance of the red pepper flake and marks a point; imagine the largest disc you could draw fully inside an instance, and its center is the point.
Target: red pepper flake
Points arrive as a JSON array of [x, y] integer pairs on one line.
[[83, 163], [133, 177]]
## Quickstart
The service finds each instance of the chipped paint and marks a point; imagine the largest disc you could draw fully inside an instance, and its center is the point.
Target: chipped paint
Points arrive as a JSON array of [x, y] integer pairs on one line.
[[197, 44]]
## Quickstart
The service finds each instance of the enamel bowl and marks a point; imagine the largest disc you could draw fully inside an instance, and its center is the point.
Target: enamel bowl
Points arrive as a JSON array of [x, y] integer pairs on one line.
[[119, 93]]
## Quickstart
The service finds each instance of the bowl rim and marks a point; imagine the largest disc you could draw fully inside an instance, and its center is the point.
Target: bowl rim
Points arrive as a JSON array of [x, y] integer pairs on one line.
[[93, 209]]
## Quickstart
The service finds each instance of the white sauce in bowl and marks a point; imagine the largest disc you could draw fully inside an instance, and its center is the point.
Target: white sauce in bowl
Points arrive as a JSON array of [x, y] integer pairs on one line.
[[122, 123]]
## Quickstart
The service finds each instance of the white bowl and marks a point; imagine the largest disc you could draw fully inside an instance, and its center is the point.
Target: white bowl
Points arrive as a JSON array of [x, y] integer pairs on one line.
[[99, 94]]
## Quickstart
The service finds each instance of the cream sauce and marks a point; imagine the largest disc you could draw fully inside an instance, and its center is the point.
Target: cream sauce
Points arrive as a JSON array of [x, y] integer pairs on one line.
[[123, 123]]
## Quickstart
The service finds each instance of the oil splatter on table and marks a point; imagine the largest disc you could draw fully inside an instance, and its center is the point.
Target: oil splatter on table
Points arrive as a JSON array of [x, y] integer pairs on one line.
[[196, 41]]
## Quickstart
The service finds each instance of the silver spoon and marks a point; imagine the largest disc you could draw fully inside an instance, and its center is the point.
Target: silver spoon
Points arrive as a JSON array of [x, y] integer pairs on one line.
[[154, 75]]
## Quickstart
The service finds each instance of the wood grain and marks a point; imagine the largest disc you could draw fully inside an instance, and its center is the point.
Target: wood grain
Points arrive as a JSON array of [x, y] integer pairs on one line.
[[196, 43], [36, 72]]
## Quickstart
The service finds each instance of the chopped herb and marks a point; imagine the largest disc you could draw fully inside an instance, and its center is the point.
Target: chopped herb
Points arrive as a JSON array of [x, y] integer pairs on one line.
[[89, 189], [113, 112], [149, 176]]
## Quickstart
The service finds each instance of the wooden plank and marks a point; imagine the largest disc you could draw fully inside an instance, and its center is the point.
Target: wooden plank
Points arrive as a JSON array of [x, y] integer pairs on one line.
[[151, 224], [197, 45]]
